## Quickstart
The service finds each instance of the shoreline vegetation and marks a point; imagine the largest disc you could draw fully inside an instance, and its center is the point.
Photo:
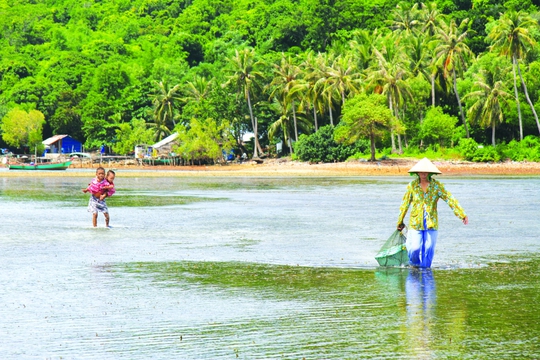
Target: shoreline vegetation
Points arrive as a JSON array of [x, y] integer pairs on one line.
[[287, 168]]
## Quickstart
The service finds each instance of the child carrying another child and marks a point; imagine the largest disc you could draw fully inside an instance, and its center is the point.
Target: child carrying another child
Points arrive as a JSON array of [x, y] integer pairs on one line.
[[101, 187]]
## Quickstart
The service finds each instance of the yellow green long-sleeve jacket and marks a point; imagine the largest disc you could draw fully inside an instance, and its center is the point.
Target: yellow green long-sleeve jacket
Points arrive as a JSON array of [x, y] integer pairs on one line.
[[426, 201]]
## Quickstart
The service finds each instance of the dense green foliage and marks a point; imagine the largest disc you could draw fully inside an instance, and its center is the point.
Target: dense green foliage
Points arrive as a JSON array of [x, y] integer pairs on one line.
[[366, 116], [280, 69], [321, 147], [20, 127]]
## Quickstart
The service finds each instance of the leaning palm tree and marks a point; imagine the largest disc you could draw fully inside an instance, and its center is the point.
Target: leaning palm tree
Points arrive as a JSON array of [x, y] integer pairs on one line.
[[452, 54], [490, 100], [512, 36], [245, 75]]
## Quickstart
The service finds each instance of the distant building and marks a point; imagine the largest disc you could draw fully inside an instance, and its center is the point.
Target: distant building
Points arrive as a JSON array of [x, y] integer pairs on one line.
[[164, 147], [62, 144]]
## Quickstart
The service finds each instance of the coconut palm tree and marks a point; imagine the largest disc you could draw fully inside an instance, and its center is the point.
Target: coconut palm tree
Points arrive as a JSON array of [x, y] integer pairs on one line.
[[388, 76], [312, 73], [362, 48], [490, 100], [405, 19], [165, 100], [198, 89], [512, 36], [343, 76], [452, 54], [340, 79], [284, 108], [431, 18], [288, 86], [245, 75], [325, 83]]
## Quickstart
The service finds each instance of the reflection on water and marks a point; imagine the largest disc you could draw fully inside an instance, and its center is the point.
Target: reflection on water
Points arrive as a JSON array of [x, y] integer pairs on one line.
[[421, 303], [264, 269]]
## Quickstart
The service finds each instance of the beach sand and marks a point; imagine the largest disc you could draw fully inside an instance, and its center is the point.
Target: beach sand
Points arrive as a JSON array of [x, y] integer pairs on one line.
[[283, 167]]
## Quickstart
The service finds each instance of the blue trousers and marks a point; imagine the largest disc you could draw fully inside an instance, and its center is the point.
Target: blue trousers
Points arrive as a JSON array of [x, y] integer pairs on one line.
[[421, 247]]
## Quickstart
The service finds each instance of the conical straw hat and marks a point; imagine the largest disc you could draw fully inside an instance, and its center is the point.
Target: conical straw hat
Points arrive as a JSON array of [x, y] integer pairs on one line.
[[426, 166]]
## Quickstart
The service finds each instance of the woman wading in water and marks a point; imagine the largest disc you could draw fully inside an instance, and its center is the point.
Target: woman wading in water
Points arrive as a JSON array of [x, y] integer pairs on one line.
[[423, 193]]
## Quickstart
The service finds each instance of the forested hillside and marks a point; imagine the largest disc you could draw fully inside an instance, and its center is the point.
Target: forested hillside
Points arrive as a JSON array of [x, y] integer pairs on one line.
[[122, 72]]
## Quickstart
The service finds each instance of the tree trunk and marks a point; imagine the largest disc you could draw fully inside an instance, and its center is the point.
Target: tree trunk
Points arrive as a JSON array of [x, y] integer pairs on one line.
[[286, 139], [433, 90], [493, 134], [315, 118], [459, 103], [528, 98], [372, 140], [514, 62], [294, 119], [396, 114], [254, 125], [392, 132], [258, 143], [421, 121], [330, 110]]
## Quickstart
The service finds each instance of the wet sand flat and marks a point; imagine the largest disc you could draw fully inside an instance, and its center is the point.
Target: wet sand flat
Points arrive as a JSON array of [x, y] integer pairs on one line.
[[283, 168]]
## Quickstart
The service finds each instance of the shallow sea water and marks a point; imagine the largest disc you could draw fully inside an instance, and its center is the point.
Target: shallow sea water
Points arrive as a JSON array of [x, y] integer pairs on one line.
[[264, 268]]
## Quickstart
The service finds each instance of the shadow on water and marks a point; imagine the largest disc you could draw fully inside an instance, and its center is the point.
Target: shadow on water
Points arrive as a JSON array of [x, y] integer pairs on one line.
[[353, 313]]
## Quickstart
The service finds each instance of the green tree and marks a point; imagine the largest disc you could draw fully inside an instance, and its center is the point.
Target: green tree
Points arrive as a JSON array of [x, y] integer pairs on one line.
[[437, 127], [284, 123], [244, 76], [431, 19], [204, 141], [365, 116], [20, 127], [388, 76], [343, 76], [453, 54], [312, 73], [287, 86], [326, 84], [405, 19], [321, 147], [165, 100], [197, 98], [512, 35], [130, 134], [490, 100]]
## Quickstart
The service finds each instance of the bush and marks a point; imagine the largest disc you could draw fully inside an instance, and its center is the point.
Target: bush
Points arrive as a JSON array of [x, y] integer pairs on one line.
[[526, 150], [321, 147], [486, 154], [467, 148], [437, 127]]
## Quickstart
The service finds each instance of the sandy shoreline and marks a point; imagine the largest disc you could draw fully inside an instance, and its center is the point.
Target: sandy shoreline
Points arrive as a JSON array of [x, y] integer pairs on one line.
[[282, 168]]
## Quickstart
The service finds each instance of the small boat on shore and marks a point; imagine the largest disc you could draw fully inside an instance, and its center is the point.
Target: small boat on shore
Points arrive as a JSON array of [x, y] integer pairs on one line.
[[41, 166]]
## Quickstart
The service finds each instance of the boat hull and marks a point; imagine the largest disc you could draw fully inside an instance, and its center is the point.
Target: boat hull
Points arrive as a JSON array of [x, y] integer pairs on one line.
[[44, 166]]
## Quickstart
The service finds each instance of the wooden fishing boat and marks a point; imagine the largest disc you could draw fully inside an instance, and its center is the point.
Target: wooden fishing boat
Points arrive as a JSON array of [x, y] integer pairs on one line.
[[40, 166]]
